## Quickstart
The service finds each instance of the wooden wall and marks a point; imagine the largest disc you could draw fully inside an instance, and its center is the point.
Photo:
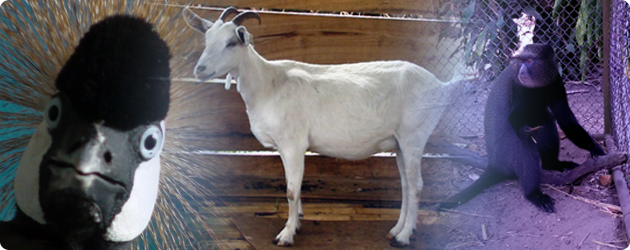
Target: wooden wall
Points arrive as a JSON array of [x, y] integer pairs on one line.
[[216, 118], [426, 7]]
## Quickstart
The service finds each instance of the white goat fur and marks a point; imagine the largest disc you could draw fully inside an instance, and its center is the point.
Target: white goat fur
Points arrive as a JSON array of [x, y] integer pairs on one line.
[[349, 111]]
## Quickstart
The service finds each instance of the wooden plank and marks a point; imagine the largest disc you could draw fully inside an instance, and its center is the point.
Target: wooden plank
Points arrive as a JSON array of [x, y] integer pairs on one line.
[[334, 39], [234, 245], [361, 6], [228, 236], [333, 189], [423, 218], [323, 212], [315, 166], [210, 118]]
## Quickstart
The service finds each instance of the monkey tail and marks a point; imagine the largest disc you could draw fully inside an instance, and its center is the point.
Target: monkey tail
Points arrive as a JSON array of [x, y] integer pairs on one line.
[[488, 179]]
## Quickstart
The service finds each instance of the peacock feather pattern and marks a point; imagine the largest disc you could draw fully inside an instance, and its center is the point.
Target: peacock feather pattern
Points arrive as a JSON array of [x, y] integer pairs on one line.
[[36, 39]]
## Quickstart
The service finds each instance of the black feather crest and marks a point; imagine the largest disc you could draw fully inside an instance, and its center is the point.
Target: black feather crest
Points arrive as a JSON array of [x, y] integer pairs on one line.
[[118, 74]]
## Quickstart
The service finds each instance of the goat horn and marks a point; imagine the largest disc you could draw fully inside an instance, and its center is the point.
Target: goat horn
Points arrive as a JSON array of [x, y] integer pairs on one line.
[[240, 18], [228, 11]]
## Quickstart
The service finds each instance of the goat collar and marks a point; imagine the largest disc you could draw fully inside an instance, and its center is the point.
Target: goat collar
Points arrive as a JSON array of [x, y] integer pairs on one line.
[[228, 82]]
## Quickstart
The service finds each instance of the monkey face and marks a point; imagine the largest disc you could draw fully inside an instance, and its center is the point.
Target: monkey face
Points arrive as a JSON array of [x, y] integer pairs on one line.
[[526, 74], [537, 66]]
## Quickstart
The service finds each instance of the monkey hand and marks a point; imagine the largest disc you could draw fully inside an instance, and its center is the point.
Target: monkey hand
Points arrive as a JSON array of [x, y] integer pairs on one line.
[[527, 132]]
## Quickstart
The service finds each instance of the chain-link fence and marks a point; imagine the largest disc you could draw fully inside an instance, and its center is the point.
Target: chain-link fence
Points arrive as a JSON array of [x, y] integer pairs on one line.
[[620, 73], [491, 31]]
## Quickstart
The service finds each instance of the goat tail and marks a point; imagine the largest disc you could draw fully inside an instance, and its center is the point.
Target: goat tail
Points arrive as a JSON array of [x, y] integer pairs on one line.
[[459, 73]]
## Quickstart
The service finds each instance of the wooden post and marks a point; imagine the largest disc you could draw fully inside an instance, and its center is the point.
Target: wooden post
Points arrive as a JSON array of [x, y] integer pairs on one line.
[[606, 21]]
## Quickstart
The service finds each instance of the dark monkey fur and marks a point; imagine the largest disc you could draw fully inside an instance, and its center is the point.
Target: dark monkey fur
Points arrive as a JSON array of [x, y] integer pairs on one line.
[[525, 102]]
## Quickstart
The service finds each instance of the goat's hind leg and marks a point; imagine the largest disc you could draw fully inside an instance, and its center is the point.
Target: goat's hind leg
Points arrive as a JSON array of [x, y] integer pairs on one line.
[[293, 162]]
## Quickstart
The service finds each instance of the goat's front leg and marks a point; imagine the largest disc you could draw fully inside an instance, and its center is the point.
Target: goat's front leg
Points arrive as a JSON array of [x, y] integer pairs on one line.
[[293, 162]]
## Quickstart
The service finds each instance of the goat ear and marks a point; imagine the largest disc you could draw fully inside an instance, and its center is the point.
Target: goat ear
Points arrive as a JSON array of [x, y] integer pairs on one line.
[[243, 35], [195, 21]]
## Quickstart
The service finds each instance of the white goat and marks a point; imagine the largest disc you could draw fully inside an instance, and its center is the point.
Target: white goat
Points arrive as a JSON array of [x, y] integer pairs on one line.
[[348, 111]]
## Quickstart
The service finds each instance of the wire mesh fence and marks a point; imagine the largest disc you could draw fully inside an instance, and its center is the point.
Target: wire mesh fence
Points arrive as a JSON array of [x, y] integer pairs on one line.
[[620, 73], [489, 32]]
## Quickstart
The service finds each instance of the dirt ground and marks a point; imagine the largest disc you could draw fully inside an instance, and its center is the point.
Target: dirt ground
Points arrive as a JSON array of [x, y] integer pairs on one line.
[[510, 221]]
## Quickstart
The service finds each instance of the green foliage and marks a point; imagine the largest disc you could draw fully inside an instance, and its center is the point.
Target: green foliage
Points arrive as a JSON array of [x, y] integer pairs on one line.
[[487, 31], [489, 35]]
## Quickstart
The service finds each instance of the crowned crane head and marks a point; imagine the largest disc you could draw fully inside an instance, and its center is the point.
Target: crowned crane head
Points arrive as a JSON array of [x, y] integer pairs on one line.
[[91, 170]]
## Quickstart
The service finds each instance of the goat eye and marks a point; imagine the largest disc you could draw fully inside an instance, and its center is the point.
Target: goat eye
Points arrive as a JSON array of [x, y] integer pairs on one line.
[[52, 113], [529, 61], [151, 142], [230, 44]]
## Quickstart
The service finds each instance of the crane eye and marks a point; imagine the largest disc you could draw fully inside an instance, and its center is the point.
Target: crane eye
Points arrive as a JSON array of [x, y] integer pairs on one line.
[[52, 113], [151, 142]]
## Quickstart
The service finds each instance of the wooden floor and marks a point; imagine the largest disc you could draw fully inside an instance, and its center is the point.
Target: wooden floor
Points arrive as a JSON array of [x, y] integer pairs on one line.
[[339, 213], [324, 226]]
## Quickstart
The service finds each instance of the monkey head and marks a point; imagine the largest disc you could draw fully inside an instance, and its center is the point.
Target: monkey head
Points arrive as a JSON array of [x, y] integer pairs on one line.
[[537, 66]]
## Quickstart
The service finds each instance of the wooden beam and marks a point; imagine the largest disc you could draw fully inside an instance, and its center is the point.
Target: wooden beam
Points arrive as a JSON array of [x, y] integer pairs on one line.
[[330, 189], [319, 212], [205, 116], [357, 6], [315, 166], [334, 39]]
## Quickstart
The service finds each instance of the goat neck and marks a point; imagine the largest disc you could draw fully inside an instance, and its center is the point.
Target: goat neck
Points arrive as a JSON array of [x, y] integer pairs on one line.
[[254, 77]]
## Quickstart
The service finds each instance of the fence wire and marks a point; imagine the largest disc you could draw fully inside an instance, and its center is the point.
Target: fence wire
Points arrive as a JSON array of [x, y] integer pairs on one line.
[[491, 31], [620, 74]]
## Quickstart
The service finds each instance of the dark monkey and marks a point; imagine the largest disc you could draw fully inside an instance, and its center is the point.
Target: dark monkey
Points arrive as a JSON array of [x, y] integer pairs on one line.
[[525, 102]]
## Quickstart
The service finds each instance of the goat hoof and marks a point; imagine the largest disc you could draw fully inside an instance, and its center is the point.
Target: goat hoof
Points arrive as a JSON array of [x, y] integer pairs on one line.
[[413, 236], [398, 244], [301, 216], [390, 236], [278, 242], [297, 231]]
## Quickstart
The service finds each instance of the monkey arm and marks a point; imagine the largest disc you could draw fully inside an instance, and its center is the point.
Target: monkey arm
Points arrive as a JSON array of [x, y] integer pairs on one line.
[[517, 118], [568, 123]]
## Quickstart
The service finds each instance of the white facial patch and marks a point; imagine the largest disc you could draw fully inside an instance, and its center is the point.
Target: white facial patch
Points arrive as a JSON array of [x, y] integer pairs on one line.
[[26, 183], [526, 79], [136, 212]]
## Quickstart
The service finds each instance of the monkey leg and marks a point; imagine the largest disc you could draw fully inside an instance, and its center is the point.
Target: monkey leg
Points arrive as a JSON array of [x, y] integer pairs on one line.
[[528, 173]]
